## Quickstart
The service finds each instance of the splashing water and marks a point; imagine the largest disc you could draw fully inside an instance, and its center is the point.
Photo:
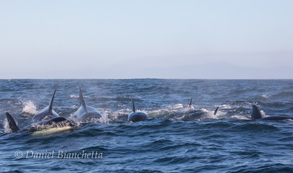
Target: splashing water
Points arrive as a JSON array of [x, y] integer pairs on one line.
[[29, 107], [175, 138]]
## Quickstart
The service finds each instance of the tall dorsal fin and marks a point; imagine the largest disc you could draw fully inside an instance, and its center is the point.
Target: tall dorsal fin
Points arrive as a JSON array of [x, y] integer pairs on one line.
[[215, 113], [190, 103], [133, 106], [81, 99], [12, 124], [255, 114], [51, 103]]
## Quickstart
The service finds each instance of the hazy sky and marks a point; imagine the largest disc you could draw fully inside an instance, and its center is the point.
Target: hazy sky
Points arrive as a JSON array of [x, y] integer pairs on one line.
[[99, 39]]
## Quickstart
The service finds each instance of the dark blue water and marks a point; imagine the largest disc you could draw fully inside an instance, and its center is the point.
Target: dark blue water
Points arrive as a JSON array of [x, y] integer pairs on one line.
[[174, 139]]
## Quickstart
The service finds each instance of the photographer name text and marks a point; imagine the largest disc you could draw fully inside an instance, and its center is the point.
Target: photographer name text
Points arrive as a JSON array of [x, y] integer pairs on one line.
[[58, 155]]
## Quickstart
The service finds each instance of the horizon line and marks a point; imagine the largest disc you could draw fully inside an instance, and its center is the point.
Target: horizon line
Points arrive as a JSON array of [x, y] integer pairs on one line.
[[144, 78]]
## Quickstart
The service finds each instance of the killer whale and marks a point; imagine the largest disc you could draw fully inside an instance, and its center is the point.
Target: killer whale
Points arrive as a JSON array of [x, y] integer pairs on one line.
[[44, 119], [255, 115], [85, 113], [47, 113], [136, 116], [56, 122], [11, 123], [46, 124], [190, 103], [215, 112]]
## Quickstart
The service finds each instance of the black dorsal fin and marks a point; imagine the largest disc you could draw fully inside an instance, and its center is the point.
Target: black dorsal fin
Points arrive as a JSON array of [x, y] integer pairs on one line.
[[190, 103], [215, 113], [255, 114], [12, 124], [81, 99], [51, 103], [133, 106]]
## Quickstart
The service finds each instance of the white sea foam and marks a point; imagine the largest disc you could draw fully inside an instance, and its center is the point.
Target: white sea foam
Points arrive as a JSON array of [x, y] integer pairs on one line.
[[29, 107], [74, 96], [75, 106], [105, 116], [240, 117], [209, 114], [177, 106], [226, 106], [265, 96], [263, 114]]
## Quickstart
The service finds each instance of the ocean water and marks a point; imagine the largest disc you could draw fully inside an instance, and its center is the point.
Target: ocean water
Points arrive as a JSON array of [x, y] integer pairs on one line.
[[176, 138]]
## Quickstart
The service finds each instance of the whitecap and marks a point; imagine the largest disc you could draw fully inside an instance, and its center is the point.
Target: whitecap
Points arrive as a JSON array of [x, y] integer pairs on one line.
[[74, 96], [265, 96]]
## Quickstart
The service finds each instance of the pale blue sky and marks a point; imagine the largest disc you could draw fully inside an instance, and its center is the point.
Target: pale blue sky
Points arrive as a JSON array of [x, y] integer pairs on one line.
[[117, 38]]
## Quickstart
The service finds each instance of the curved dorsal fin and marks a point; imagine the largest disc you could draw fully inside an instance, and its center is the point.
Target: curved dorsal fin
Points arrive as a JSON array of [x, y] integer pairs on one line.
[[12, 124], [190, 103], [81, 99], [133, 106], [255, 114], [51, 103]]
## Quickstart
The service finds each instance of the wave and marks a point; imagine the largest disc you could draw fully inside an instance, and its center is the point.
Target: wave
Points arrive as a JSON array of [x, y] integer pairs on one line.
[[282, 95]]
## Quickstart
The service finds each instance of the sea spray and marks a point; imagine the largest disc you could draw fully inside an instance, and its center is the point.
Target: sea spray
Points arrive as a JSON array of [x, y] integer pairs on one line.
[[29, 107]]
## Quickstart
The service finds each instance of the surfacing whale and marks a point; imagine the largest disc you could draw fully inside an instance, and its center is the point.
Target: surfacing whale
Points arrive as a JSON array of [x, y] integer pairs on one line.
[[47, 113], [190, 104], [215, 112], [11, 123], [86, 113], [56, 122], [136, 116], [255, 114], [45, 119]]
